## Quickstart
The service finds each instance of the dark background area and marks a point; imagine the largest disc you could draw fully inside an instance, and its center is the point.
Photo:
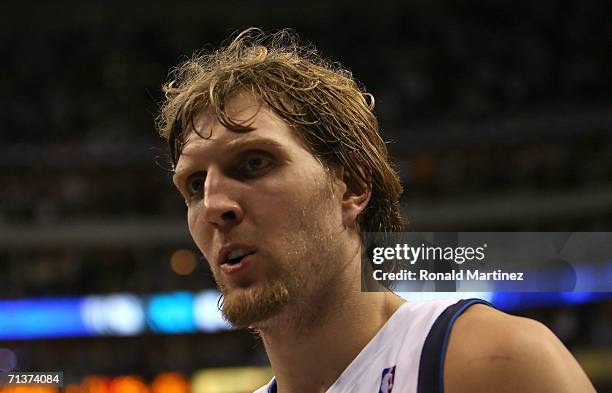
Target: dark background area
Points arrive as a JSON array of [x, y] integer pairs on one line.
[[498, 115]]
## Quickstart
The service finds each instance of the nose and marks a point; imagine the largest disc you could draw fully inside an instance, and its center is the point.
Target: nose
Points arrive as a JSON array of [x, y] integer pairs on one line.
[[221, 207]]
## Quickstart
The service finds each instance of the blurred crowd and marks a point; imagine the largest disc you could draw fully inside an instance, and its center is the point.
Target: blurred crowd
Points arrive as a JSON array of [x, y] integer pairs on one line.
[[478, 100], [46, 196], [81, 100]]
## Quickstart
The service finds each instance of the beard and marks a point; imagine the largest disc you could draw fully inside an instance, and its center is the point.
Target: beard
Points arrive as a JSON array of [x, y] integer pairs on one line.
[[243, 307], [299, 274]]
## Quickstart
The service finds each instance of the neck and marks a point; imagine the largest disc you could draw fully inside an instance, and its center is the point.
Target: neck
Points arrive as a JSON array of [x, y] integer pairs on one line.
[[309, 349]]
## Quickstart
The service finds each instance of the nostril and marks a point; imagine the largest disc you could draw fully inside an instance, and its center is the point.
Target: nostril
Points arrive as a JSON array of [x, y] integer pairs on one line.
[[229, 216]]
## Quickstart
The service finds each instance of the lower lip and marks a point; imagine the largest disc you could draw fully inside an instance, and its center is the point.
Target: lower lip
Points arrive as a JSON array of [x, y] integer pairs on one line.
[[232, 269]]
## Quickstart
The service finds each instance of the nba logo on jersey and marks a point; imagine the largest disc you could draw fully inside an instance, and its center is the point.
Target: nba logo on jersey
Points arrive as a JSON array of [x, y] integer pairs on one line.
[[386, 383]]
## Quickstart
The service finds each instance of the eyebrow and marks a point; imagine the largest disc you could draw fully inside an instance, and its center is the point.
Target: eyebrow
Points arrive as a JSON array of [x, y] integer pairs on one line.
[[232, 147]]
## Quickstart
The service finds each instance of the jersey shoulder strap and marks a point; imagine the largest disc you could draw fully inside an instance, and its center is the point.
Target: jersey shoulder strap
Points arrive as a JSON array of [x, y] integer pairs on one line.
[[431, 366]]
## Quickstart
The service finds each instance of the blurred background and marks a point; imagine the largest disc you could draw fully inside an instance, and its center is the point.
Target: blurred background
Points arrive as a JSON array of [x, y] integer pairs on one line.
[[498, 115]]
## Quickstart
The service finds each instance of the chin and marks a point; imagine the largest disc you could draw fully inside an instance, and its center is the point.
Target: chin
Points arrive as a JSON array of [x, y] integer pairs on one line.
[[254, 305]]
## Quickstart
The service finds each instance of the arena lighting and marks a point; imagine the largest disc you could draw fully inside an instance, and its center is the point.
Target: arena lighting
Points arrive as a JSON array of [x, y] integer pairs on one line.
[[170, 383], [230, 380], [41, 318], [117, 314], [94, 383], [593, 277], [171, 313], [571, 298], [206, 312], [183, 262], [420, 296], [509, 301], [186, 312], [216, 380], [128, 384], [72, 388]]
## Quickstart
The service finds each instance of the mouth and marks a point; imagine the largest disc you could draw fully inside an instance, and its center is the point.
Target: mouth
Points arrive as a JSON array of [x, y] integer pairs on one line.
[[234, 258]]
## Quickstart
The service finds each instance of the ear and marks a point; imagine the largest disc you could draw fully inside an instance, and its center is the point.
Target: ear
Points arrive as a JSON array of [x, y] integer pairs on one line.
[[356, 194]]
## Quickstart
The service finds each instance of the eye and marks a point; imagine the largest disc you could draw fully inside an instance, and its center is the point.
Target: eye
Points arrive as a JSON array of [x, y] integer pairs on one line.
[[195, 184], [255, 164]]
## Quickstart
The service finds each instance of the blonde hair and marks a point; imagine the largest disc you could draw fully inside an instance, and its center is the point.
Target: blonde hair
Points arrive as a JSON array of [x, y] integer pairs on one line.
[[331, 112]]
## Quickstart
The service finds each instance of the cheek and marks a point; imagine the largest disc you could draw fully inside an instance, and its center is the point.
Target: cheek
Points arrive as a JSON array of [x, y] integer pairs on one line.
[[276, 204], [297, 207], [196, 230], [191, 220]]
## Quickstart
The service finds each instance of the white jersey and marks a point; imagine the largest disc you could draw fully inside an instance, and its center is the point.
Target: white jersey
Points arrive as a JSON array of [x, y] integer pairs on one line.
[[407, 353]]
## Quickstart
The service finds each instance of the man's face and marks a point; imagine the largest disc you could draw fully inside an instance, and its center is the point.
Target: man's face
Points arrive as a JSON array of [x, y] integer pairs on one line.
[[262, 210]]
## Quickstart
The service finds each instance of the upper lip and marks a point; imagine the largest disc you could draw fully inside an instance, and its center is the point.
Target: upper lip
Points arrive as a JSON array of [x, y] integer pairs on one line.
[[228, 248]]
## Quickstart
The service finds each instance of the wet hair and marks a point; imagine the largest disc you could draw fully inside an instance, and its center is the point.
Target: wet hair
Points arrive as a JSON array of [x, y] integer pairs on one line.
[[320, 99]]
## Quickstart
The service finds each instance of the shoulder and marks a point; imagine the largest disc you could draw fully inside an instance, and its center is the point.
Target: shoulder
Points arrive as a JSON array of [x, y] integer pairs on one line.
[[490, 349]]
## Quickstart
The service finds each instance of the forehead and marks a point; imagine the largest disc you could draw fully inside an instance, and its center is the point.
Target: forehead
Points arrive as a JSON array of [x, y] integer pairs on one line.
[[212, 137]]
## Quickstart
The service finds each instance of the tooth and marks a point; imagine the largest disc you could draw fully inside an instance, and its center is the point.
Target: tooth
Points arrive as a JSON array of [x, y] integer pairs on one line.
[[237, 254]]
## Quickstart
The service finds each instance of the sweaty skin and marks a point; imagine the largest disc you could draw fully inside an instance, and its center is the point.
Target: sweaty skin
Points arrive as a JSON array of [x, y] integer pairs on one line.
[[263, 191], [489, 351]]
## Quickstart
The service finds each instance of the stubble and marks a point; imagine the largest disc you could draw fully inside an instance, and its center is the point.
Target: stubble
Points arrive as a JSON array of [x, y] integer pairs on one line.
[[301, 275]]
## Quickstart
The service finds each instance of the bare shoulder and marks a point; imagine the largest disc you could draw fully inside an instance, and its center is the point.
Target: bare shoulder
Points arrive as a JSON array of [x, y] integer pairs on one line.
[[489, 350]]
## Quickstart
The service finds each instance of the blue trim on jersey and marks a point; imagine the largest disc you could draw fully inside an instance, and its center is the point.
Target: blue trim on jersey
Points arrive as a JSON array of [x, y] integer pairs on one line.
[[433, 353], [449, 327], [446, 323], [272, 387]]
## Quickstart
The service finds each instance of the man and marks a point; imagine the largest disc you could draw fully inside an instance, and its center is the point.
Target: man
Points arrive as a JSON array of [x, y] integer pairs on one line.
[[278, 156]]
